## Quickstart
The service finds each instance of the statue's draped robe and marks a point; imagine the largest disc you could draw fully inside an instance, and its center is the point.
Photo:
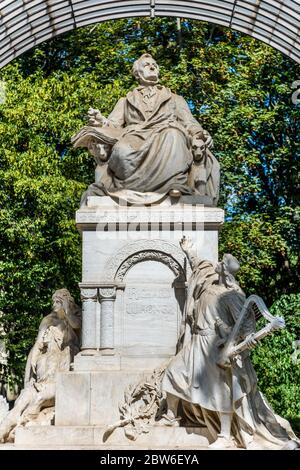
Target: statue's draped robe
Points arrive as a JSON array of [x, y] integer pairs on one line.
[[194, 376], [149, 132]]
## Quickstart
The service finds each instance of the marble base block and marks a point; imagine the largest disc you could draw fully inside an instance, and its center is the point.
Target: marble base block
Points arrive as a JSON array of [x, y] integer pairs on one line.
[[97, 393], [92, 436]]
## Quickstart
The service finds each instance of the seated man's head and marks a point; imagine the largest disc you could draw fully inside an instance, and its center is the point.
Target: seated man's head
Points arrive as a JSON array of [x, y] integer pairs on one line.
[[146, 70]]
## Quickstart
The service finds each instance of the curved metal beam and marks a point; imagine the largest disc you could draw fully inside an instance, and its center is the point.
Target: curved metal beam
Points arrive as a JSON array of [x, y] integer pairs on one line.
[[27, 23]]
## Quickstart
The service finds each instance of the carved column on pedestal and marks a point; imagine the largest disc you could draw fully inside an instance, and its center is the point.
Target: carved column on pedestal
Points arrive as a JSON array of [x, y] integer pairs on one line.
[[89, 297], [107, 299]]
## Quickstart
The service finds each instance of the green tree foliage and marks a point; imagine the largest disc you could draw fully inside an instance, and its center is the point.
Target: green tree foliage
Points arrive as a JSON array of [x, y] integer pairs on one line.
[[275, 365], [239, 89]]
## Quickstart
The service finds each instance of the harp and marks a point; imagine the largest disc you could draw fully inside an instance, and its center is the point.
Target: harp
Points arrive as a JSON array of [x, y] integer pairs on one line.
[[253, 309]]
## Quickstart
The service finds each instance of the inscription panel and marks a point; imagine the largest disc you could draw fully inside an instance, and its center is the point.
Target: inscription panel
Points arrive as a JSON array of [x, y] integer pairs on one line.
[[151, 311]]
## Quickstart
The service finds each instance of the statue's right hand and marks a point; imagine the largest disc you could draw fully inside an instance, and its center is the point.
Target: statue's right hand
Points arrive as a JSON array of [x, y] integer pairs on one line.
[[95, 118], [186, 244]]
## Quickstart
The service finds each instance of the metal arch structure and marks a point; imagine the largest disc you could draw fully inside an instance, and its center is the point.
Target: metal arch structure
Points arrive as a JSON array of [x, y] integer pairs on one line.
[[27, 23]]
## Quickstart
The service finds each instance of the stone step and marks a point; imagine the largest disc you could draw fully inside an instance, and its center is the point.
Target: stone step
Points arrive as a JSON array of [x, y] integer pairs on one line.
[[157, 437]]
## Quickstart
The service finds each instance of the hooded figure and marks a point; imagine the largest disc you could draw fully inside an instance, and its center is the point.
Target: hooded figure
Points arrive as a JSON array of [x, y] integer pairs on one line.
[[225, 400]]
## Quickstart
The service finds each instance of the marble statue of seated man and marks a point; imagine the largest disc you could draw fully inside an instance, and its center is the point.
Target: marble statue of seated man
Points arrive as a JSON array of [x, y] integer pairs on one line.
[[150, 143]]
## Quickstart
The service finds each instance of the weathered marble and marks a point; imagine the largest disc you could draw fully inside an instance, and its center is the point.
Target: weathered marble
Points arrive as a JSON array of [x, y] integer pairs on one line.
[[151, 307], [133, 295], [158, 437], [212, 375], [98, 393], [147, 304], [150, 145], [56, 344], [111, 361], [3, 408], [128, 254]]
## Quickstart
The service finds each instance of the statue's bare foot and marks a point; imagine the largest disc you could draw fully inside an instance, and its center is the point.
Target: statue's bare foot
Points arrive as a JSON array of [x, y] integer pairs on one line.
[[174, 193], [222, 442], [169, 419]]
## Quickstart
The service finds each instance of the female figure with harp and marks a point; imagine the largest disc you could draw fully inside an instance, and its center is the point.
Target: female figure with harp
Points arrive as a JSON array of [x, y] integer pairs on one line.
[[216, 392]]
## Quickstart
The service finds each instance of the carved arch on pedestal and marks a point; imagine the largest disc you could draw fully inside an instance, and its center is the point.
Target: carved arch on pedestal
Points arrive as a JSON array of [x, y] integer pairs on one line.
[[146, 250]]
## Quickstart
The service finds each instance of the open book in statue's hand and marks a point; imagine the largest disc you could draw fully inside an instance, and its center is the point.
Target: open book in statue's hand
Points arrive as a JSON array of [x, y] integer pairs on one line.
[[102, 135]]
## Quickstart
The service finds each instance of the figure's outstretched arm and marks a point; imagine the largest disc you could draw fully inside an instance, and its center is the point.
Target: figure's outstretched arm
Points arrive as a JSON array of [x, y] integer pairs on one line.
[[189, 249]]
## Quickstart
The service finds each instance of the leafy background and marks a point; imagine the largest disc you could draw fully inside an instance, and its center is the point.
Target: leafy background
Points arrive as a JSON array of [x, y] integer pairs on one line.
[[238, 88]]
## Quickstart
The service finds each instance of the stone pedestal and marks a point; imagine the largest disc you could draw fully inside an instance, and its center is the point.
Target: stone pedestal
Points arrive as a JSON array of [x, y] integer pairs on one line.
[[158, 437], [98, 393], [133, 290], [134, 273]]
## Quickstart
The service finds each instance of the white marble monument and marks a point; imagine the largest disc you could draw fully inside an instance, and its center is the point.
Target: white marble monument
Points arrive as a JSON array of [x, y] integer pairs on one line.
[[156, 182]]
